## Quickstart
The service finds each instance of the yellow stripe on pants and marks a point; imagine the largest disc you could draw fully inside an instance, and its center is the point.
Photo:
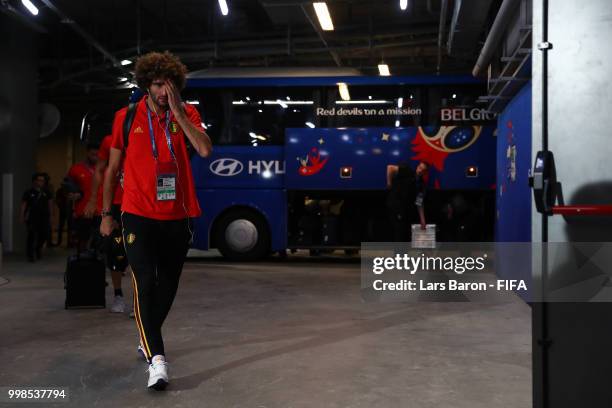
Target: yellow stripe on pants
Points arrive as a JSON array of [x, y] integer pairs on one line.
[[138, 320]]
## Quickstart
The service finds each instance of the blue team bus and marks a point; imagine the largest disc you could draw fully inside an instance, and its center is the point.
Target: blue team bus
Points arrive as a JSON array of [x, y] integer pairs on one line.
[[300, 156]]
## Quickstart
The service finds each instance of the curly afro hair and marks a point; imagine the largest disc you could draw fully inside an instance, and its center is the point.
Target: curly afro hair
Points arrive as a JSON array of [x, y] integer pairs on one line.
[[156, 65]]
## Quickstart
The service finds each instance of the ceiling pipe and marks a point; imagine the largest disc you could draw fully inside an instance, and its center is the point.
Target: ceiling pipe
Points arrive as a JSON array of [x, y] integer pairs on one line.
[[421, 48], [430, 9], [468, 21], [298, 44], [506, 11], [334, 54], [12, 12], [282, 50], [443, 12], [83, 34], [303, 40]]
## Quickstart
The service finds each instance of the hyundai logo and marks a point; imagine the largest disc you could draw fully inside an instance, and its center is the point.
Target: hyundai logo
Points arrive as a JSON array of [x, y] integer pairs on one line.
[[226, 167]]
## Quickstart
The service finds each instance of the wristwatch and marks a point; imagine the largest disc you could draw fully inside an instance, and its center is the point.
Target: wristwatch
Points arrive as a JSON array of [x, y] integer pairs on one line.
[[106, 213]]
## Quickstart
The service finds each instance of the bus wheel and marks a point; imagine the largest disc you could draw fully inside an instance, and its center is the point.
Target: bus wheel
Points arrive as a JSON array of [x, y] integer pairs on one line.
[[242, 235]]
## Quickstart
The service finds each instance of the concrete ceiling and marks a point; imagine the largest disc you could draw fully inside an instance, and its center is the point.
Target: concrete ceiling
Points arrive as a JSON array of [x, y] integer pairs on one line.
[[81, 41]]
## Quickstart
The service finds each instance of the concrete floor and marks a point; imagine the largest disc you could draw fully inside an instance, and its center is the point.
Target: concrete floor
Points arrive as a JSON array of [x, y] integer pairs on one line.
[[291, 333]]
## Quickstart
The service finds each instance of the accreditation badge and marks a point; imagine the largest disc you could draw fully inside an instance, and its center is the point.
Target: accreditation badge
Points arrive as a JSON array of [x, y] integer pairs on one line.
[[174, 128], [166, 181]]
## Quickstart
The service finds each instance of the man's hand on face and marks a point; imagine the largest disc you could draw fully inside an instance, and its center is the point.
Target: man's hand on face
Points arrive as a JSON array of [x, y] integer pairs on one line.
[[174, 99]]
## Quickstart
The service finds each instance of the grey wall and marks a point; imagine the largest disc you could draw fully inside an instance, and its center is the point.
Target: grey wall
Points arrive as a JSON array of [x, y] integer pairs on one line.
[[580, 101], [18, 115]]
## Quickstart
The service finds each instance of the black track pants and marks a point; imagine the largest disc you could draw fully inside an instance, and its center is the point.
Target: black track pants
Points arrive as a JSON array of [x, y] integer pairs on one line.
[[156, 251]]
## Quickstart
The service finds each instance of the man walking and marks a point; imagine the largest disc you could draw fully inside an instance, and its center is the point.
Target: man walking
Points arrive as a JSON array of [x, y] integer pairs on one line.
[[158, 196], [116, 261], [81, 175], [36, 215]]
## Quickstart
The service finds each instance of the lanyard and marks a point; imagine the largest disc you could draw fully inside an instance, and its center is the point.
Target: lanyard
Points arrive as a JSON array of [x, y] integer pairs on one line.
[[166, 132]]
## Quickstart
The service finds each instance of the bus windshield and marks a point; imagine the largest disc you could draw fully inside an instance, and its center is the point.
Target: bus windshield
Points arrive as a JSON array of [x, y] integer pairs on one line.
[[244, 115]]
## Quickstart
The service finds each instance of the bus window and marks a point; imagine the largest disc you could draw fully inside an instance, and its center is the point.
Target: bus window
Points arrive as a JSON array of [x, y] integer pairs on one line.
[[209, 104], [255, 116], [258, 116]]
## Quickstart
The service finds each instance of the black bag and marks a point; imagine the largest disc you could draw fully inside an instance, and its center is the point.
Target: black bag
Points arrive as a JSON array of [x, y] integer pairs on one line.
[[114, 251], [85, 282]]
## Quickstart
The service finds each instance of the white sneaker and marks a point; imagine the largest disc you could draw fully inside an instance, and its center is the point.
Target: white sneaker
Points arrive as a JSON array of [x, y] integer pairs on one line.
[[118, 305], [158, 374]]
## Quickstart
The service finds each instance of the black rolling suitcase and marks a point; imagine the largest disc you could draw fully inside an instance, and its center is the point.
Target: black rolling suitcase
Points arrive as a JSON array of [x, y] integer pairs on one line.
[[85, 282]]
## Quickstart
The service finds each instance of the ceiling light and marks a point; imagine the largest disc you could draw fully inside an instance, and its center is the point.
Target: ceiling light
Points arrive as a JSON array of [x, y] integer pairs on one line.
[[193, 102], [126, 62], [310, 125], [223, 7], [397, 123], [31, 7], [383, 69], [344, 92], [363, 102], [279, 102], [403, 4], [323, 15], [400, 102], [123, 79], [256, 136]]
